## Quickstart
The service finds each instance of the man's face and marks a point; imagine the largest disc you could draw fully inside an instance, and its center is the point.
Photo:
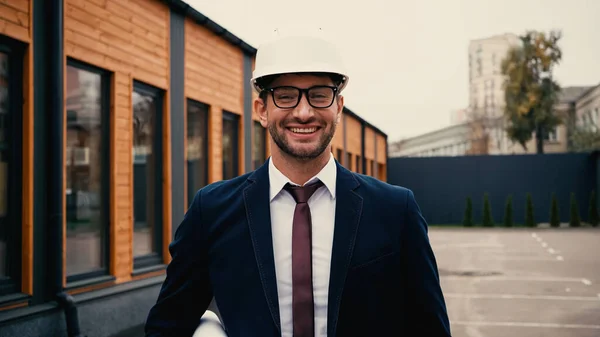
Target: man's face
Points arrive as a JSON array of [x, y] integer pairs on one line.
[[303, 132]]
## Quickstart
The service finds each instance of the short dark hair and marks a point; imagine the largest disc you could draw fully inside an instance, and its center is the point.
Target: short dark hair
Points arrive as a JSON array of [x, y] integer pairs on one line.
[[265, 82]]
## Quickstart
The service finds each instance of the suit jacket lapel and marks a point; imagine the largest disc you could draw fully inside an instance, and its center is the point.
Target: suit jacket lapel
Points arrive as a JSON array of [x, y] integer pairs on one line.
[[347, 215], [258, 212]]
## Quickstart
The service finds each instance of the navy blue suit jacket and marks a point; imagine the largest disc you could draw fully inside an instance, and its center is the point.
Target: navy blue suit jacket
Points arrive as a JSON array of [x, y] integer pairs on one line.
[[384, 278]]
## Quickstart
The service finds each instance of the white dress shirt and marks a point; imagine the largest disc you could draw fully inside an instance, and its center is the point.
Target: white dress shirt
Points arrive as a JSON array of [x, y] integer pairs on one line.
[[322, 209]]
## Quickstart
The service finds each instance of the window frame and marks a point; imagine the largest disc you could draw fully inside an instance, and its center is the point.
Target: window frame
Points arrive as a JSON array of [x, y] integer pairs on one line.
[[262, 133], [15, 51], [231, 117], [105, 117], [202, 106], [142, 262]]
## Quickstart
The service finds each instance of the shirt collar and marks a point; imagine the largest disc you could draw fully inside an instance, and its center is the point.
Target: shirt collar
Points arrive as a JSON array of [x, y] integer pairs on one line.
[[278, 180]]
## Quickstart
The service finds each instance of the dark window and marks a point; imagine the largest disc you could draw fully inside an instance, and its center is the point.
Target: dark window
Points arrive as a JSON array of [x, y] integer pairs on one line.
[[230, 145], [197, 147], [10, 164], [147, 175], [259, 148], [348, 162], [339, 155], [88, 170]]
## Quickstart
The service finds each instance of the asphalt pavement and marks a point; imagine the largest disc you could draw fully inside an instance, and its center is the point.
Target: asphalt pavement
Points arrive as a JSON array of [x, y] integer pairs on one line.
[[522, 282]]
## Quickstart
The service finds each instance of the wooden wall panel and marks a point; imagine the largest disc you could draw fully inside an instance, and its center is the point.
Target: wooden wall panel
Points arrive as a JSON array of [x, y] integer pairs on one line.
[[369, 143], [131, 39], [214, 75], [26, 6], [381, 149], [215, 150], [15, 19], [353, 135]]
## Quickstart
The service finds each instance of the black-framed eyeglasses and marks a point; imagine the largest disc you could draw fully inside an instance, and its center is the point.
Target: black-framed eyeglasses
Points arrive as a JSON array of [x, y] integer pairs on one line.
[[288, 97]]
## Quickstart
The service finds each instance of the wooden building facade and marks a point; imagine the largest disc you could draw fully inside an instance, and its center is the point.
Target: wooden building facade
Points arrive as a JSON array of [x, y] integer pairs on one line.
[[112, 114]]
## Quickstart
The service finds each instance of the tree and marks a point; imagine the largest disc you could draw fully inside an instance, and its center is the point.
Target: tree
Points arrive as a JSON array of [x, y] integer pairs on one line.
[[479, 132], [529, 218], [554, 212], [585, 136], [530, 92], [593, 216], [575, 220], [488, 220], [468, 217], [508, 212]]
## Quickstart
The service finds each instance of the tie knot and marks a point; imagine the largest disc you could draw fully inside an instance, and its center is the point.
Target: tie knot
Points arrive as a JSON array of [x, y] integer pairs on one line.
[[302, 193]]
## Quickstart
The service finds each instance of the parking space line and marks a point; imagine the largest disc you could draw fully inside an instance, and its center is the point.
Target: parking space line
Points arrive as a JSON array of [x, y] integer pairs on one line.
[[518, 278], [586, 281], [523, 297], [518, 258], [527, 325]]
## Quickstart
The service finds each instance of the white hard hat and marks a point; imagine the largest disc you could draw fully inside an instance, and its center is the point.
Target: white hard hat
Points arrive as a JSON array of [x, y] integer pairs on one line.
[[298, 54]]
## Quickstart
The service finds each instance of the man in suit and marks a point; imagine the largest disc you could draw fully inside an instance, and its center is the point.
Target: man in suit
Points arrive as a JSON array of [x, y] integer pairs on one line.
[[302, 246]]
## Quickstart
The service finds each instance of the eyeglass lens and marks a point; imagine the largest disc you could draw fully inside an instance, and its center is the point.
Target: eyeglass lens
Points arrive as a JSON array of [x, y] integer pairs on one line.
[[317, 96]]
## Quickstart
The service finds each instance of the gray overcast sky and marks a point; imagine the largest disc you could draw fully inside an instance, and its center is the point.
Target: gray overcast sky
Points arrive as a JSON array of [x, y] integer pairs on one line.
[[408, 59]]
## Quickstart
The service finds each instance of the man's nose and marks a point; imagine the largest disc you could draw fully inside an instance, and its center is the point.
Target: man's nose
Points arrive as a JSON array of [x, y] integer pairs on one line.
[[303, 111]]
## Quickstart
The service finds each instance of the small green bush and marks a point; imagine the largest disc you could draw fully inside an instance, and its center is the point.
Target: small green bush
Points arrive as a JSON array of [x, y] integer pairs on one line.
[[488, 220], [554, 212], [508, 212], [529, 217], [575, 220], [468, 217]]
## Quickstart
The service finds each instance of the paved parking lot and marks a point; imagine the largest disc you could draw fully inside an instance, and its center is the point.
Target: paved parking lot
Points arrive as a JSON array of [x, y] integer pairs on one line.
[[520, 282]]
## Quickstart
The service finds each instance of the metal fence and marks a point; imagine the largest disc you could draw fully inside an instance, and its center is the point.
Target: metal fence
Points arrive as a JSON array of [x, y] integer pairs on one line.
[[442, 184]]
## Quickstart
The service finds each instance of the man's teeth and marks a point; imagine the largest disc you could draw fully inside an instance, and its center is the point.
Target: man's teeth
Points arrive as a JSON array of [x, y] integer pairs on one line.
[[303, 130]]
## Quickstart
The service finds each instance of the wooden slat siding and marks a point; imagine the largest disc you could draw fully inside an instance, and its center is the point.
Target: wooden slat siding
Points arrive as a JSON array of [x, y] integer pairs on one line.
[[15, 19], [353, 135], [215, 150], [338, 137], [381, 149], [131, 39], [124, 232], [115, 43], [214, 69], [20, 5], [27, 169], [166, 171], [214, 75], [369, 143]]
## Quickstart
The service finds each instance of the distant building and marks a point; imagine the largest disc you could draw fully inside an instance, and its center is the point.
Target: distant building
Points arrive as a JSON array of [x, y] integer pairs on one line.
[[486, 93], [480, 128]]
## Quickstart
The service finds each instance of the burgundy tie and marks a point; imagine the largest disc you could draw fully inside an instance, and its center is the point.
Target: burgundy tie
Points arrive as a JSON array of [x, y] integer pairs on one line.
[[302, 300]]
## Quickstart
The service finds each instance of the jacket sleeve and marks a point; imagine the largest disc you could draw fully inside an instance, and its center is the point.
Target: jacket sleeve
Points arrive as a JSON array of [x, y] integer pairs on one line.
[[186, 293], [427, 313]]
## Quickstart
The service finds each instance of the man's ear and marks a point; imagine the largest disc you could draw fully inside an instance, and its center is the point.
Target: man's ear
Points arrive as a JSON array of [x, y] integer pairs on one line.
[[261, 111]]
